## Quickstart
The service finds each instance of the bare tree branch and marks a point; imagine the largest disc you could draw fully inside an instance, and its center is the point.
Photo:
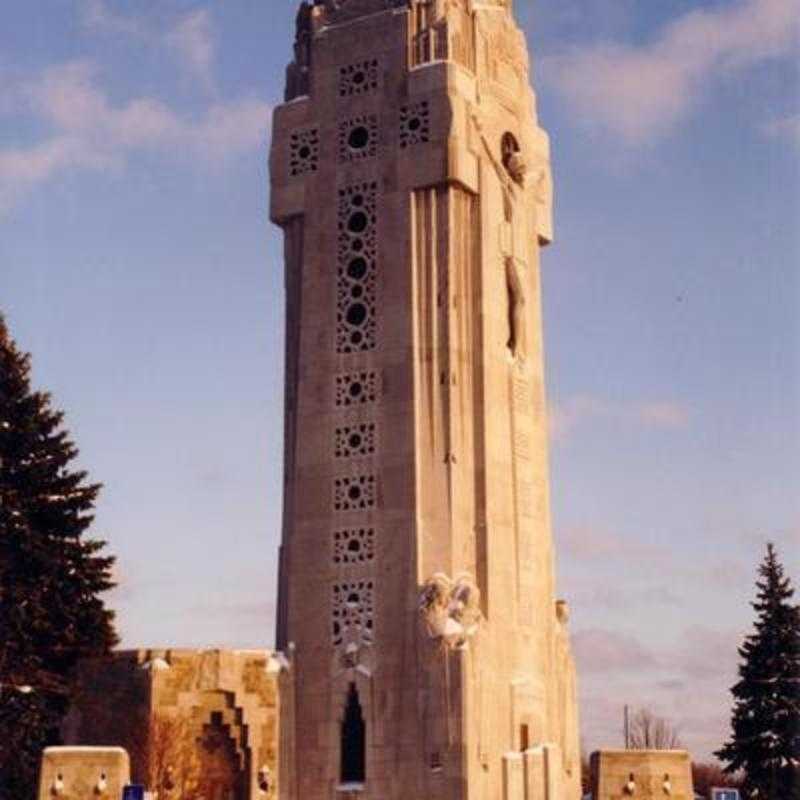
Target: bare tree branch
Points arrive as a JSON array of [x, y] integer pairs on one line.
[[650, 732]]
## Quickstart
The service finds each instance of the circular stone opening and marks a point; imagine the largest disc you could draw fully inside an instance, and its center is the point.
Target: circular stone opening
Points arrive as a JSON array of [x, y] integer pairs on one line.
[[305, 151], [354, 441], [358, 200], [358, 222], [357, 245], [359, 138], [356, 314], [414, 123], [356, 337], [355, 389], [356, 291], [354, 492], [359, 78], [357, 268], [354, 546]]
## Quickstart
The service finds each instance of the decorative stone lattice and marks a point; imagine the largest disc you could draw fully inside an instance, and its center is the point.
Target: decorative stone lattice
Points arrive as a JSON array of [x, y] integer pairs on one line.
[[358, 78], [354, 493], [356, 388], [355, 441], [358, 138], [304, 151], [415, 124], [352, 613], [354, 546], [357, 253]]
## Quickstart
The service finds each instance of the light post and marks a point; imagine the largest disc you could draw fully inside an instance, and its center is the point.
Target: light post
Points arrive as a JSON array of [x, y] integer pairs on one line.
[[14, 687]]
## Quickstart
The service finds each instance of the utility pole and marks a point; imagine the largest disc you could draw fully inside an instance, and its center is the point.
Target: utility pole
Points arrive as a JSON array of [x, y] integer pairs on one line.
[[627, 728]]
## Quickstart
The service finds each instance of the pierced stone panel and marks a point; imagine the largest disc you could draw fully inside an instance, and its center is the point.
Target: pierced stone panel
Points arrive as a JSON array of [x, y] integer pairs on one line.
[[354, 493], [355, 441], [356, 389], [358, 138], [415, 124], [358, 78], [357, 253], [304, 151], [352, 613], [354, 546]]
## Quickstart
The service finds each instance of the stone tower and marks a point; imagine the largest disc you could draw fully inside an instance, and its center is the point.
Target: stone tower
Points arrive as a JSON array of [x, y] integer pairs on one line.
[[431, 660]]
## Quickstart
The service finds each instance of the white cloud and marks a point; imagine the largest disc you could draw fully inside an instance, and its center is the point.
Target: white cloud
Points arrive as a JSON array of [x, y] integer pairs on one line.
[[96, 14], [591, 543], [640, 92], [88, 131], [564, 417], [784, 128], [664, 415], [567, 415], [192, 40], [685, 680], [598, 650], [23, 168]]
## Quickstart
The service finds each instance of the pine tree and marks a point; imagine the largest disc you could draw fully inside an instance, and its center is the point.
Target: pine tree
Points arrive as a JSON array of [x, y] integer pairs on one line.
[[51, 576], [765, 744]]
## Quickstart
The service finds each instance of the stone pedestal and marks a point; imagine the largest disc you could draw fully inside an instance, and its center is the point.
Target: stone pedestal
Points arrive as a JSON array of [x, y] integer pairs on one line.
[[642, 774], [72, 772]]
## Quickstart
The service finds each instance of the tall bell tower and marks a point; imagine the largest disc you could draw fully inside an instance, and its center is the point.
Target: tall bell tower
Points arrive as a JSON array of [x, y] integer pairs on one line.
[[431, 660]]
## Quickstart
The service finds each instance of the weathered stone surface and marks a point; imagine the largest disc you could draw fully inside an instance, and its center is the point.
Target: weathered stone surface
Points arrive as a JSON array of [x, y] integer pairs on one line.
[[620, 774], [97, 772], [413, 185]]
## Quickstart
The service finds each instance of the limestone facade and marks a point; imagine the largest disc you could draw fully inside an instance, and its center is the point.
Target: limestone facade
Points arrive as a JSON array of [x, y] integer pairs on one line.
[[199, 717], [643, 774], [412, 182]]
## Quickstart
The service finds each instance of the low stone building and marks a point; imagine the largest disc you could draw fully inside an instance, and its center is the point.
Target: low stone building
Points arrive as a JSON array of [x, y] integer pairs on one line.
[[195, 722]]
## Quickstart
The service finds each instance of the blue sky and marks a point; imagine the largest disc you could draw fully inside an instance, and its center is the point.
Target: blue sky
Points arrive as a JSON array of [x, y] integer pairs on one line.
[[138, 266]]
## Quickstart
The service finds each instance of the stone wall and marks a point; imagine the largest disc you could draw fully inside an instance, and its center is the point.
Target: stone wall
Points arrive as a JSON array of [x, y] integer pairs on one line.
[[186, 716]]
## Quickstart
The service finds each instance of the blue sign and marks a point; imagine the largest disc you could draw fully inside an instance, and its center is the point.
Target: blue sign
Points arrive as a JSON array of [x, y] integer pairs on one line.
[[136, 792], [725, 794]]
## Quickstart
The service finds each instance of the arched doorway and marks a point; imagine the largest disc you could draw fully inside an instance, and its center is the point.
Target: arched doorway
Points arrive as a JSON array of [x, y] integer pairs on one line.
[[222, 776]]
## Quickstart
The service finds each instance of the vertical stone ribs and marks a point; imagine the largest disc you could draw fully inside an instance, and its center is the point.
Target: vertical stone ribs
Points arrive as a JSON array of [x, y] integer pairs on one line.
[[449, 37]]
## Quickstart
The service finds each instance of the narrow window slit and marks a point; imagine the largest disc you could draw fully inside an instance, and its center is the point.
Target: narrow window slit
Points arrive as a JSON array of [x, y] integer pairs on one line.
[[354, 741]]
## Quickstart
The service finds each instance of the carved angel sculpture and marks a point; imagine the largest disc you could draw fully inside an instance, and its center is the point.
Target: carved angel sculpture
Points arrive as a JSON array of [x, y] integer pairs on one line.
[[450, 609]]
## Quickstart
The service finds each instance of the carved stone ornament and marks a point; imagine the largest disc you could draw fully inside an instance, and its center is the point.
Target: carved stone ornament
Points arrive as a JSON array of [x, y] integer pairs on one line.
[[450, 609], [517, 314]]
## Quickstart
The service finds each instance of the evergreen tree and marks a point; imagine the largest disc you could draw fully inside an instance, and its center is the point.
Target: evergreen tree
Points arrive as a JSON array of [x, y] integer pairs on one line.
[[51, 576], [765, 744]]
